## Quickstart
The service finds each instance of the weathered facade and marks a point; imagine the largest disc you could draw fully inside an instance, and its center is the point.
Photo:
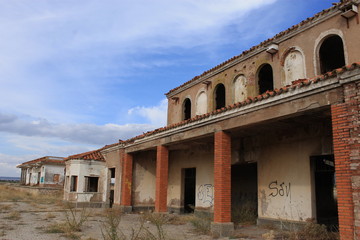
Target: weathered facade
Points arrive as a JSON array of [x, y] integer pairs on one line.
[[86, 179], [275, 128], [92, 177], [43, 172]]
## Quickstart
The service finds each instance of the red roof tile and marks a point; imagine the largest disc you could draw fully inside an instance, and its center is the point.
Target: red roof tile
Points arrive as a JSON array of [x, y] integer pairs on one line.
[[43, 160], [296, 84]]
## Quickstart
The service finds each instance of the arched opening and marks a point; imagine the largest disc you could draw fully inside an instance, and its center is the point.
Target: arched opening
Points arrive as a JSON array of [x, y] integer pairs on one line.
[[187, 109], [266, 81], [219, 96], [331, 54]]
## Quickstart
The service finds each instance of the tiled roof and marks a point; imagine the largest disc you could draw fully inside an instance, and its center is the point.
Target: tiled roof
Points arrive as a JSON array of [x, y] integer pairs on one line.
[[43, 160], [269, 94], [91, 155], [264, 43]]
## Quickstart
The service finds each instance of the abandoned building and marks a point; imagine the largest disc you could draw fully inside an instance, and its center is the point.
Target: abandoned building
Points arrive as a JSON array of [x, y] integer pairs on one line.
[[43, 172], [275, 129], [90, 178]]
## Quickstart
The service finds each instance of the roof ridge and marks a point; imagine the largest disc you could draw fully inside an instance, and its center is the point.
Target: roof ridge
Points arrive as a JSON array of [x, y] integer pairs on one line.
[[261, 44]]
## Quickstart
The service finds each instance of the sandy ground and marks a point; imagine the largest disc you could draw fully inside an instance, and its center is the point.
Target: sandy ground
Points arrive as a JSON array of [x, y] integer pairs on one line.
[[29, 220]]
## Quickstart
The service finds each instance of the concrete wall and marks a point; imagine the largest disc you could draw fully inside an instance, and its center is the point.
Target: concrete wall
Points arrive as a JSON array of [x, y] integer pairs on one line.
[[47, 175], [144, 177], [112, 159], [285, 177], [286, 65], [200, 158], [81, 169]]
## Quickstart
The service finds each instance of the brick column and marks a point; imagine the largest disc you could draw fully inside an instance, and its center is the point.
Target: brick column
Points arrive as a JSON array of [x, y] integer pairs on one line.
[[162, 159], [222, 224], [126, 180], [340, 125]]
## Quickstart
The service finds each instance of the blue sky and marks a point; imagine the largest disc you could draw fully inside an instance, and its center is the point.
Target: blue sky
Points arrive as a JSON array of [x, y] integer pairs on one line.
[[77, 75]]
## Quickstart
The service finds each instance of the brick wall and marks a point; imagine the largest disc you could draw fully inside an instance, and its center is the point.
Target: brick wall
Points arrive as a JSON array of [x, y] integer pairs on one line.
[[345, 120], [162, 162], [222, 178], [126, 177]]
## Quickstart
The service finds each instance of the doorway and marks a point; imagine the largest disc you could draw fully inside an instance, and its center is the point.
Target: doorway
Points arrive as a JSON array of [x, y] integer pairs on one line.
[[325, 190], [189, 189]]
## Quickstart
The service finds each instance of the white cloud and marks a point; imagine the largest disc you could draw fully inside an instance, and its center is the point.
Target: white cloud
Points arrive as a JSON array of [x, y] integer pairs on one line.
[[80, 133], [155, 115]]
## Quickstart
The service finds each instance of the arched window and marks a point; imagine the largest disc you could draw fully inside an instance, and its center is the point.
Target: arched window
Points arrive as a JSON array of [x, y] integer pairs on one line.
[[201, 103], [331, 54], [240, 93], [219, 96], [186, 109], [294, 67], [265, 77]]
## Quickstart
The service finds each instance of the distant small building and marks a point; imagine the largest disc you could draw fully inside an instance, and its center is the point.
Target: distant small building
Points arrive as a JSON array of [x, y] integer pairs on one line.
[[86, 179], [47, 171]]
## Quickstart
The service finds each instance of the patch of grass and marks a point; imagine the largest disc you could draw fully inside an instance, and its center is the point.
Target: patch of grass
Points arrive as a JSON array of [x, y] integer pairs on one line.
[[311, 231], [74, 219], [56, 228], [201, 224], [110, 227], [14, 215], [49, 215], [245, 213], [4, 208]]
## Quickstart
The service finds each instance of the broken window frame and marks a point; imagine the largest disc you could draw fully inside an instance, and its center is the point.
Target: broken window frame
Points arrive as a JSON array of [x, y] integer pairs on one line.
[[91, 184], [73, 183]]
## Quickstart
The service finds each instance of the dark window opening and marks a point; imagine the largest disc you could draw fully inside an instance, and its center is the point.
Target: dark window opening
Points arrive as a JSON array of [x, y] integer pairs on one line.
[[220, 96], [187, 109], [91, 184], [189, 189], [325, 191], [331, 54], [266, 80], [112, 176], [73, 184]]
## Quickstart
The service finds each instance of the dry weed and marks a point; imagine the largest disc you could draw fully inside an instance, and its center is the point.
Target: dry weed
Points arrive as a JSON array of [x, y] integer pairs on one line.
[[4, 208], [14, 215]]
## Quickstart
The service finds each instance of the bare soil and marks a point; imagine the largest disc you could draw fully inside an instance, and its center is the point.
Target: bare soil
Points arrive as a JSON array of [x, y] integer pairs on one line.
[[27, 218]]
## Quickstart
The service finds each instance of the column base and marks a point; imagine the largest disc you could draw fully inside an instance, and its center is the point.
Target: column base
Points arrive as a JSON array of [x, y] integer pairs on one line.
[[126, 209], [222, 229]]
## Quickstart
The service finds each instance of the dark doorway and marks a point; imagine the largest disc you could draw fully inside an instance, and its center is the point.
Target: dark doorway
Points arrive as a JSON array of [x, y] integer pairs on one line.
[[244, 187], [331, 54], [219, 96], [111, 198], [189, 189], [112, 184], [325, 190], [266, 79], [187, 109]]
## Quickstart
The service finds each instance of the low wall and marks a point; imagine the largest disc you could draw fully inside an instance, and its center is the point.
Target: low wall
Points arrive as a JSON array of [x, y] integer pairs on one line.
[[37, 190]]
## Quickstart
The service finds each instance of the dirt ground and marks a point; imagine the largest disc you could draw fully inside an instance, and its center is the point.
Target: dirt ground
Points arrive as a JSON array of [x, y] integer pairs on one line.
[[34, 218]]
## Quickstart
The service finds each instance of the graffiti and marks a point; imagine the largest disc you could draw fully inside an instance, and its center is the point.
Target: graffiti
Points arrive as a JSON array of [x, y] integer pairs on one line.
[[281, 189], [206, 193]]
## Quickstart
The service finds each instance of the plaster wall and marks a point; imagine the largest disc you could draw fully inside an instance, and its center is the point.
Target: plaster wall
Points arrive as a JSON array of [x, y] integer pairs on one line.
[[113, 161], [285, 178], [305, 43], [81, 169], [48, 174], [201, 158], [144, 179], [34, 175]]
